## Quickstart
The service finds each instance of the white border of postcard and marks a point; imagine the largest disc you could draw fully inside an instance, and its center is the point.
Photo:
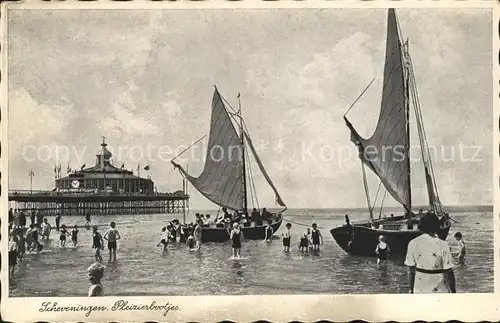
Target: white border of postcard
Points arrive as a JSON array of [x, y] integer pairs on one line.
[[277, 308]]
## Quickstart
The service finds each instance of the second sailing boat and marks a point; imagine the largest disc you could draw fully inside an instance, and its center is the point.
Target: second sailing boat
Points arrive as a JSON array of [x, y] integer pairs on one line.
[[223, 180], [387, 154]]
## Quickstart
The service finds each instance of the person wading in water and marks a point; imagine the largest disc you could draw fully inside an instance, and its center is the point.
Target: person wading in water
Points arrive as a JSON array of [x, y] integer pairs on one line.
[[197, 232], [58, 221], [316, 237], [112, 235], [97, 243], [269, 232], [429, 260], [236, 240]]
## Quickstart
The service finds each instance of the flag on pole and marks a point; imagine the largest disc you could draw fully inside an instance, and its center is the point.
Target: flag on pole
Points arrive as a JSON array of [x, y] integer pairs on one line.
[[83, 166], [123, 165]]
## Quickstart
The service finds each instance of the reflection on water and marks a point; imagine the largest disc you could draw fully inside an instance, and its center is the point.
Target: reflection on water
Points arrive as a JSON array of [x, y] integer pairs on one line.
[[143, 269]]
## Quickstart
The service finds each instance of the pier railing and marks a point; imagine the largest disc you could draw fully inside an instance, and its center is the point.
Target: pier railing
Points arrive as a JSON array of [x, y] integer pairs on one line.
[[23, 192]]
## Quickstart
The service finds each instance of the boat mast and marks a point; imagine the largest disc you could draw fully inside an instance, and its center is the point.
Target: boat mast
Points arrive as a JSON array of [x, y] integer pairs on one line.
[[244, 175], [407, 111]]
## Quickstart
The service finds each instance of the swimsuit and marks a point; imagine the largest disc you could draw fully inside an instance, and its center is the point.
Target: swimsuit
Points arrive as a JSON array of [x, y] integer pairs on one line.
[[112, 238], [12, 253], [191, 243], [62, 237], [286, 239], [97, 240], [315, 237], [304, 242], [382, 253], [74, 235], [236, 241]]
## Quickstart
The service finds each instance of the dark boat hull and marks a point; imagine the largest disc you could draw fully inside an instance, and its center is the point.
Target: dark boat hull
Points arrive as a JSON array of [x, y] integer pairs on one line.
[[366, 238], [214, 234]]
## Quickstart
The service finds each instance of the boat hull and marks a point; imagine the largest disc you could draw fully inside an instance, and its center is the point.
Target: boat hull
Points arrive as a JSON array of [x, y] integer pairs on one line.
[[366, 238], [214, 234]]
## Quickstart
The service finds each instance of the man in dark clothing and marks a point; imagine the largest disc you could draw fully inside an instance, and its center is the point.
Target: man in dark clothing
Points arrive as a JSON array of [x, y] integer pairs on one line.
[[266, 216], [33, 217], [39, 219], [255, 216], [58, 220], [11, 215], [22, 219]]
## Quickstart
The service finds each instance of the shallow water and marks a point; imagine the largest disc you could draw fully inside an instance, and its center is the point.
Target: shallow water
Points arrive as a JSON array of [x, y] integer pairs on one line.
[[142, 268]]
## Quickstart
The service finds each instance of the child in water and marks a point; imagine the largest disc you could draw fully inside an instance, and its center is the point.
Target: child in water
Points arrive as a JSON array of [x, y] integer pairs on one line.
[[460, 253], [74, 235], [112, 236], [13, 241], [63, 233], [304, 241], [46, 228], [235, 237], [286, 238], [164, 238], [96, 272], [191, 242], [382, 250], [316, 237], [269, 231], [97, 243], [21, 245]]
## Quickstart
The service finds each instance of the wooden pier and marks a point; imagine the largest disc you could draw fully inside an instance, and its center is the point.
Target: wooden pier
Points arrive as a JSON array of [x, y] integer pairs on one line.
[[101, 203]]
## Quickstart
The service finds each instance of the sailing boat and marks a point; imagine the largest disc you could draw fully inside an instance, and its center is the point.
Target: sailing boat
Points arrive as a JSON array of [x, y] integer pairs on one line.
[[223, 180], [387, 154]]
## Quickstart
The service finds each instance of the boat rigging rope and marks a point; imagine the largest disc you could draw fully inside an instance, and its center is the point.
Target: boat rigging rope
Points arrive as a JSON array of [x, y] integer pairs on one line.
[[302, 224]]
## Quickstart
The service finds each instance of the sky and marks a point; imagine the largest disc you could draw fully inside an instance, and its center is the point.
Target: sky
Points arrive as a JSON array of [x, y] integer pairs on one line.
[[146, 79]]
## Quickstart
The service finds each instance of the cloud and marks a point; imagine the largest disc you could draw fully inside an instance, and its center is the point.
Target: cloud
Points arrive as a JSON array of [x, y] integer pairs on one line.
[[146, 77]]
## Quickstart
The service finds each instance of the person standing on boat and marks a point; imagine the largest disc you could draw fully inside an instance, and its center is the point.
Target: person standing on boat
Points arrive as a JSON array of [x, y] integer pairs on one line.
[[266, 216], [429, 260], [255, 216], [269, 232], [236, 238], [316, 237], [350, 233]]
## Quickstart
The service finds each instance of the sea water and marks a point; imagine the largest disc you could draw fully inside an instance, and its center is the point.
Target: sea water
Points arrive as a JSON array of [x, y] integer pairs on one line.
[[143, 269]]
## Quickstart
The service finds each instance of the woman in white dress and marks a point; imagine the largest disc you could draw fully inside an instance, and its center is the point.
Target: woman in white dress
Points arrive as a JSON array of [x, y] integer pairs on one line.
[[429, 260]]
